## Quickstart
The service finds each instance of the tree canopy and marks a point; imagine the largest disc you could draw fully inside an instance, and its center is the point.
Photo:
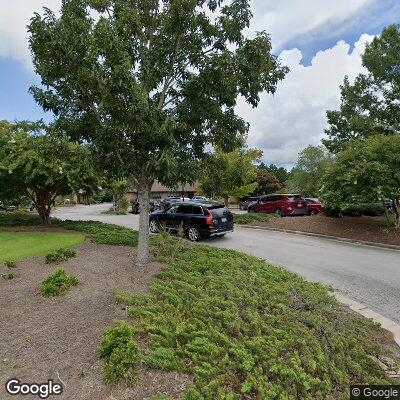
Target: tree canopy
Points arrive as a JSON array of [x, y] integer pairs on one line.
[[366, 171], [305, 177], [148, 83], [42, 167], [280, 172], [267, 182], [370, 105], [229, 174]]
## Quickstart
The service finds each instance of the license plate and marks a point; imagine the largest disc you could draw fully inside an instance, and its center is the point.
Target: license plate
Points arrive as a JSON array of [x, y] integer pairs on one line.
[[223, 219]]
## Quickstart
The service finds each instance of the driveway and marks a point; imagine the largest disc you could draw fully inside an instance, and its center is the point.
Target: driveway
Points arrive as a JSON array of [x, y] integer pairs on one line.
[[369, 275]]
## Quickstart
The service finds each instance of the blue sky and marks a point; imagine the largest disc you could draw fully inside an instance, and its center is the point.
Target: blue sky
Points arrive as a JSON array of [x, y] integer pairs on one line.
[[305, 34]]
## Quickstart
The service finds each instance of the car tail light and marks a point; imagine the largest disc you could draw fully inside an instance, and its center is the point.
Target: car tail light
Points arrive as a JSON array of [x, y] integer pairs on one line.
[[209, 219]]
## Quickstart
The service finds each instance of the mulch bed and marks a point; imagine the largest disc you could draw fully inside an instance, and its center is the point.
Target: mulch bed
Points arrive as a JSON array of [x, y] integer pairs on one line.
[[372, 229], [58, 338]]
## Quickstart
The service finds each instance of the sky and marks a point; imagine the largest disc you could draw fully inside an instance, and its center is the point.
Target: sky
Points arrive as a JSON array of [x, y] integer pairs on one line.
[[320, 40]]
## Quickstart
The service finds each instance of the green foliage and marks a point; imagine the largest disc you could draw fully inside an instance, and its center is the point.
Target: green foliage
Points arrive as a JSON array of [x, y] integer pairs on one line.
[[19, 218], [365, 172], [58, 283], [8, 276], [370, 210], [305, 177], [267, 182], [10, 264], [102, 233], [121, 353], [42, 167], [246, 219], [229, 174], [245, 329], [280, 172], [122, 205], [59, 256], [370, 105]]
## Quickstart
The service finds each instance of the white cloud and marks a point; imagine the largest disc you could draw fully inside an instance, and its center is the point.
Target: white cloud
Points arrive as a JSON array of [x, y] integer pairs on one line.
[[295, 116], [286, 19], [14, 17]]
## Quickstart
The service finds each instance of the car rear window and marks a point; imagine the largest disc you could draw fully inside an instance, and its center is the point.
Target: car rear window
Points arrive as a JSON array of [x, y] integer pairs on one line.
[[218, 211], [295, 197]]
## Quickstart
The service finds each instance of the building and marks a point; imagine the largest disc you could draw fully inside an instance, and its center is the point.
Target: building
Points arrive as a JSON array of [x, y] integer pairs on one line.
[[160, 192]]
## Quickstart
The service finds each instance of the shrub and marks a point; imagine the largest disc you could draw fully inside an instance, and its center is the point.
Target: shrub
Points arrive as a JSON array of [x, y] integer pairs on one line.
[[59, 256], [8, 276], [123, 205], [19, 218], [245, 219], [121, 353], [102, 233], [57, 283], [246, 329], [10, 264], [371, 210]]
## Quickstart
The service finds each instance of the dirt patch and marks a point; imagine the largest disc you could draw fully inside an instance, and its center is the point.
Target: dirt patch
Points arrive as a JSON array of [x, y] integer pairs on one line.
[[58, 338], [372, 229]]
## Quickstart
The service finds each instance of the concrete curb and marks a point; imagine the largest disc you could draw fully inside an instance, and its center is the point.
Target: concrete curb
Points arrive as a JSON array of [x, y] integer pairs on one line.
[[335, 238], [359, 308]]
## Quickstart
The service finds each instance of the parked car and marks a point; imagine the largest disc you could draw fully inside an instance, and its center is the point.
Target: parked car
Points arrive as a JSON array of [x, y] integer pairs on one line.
[[244, 204], [314, 206], [135, 206], [281, 204], [196, 220], [170, 200]]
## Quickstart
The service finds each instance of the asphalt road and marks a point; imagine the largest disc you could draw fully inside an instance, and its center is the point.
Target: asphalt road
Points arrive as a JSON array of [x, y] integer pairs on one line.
[[369, 275]]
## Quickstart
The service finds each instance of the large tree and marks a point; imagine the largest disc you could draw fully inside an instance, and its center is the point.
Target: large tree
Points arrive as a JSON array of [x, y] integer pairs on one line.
[[267, 182], [366, 171], [305, 177], [370, 105], [42, 167], [280, 172], [148, 83], [229, 174]]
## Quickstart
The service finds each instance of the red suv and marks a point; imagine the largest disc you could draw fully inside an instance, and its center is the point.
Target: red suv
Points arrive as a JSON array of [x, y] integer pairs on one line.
[[281, 204], [314, 206]]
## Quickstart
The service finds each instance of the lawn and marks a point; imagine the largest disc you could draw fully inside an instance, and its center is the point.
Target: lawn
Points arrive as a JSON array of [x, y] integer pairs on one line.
[[19, 245]]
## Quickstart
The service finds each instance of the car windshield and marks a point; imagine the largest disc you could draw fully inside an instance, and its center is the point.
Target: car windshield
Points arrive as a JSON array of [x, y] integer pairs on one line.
[[173, 209]]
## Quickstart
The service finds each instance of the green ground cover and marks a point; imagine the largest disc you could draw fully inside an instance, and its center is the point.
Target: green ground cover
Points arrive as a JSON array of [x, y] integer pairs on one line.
[[244, 329], [19, 245]]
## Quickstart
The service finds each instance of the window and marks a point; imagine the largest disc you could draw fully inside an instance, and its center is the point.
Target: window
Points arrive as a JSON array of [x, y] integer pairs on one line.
[[173, 210], [197, 210], [184, 209]]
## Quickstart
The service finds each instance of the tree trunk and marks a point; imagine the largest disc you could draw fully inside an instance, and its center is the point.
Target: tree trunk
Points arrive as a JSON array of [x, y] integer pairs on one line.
[[143, 251], [43, 210], [226, 200], [396, 206]]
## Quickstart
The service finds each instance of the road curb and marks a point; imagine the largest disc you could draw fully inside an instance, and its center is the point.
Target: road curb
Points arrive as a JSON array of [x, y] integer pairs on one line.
[[335, 238], [359, 308]]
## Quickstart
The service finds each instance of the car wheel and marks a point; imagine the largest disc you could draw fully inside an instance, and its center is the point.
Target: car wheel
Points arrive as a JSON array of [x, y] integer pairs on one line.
[[279, 213], [193, 234], [240, 207], [313, 212], [251, 210], [153, 226]]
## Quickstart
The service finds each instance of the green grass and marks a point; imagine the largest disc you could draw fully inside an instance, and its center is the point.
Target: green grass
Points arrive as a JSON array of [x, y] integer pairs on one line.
[[248, 330], [20, 245], [245, 219], [58, 283]]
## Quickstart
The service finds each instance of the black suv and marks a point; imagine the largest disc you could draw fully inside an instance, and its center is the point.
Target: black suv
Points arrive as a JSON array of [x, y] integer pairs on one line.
[[196, 220]]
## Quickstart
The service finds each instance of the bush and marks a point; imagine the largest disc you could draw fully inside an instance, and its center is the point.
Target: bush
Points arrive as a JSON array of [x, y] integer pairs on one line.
[[123, 205], [59, 256], [245, 329], [245, 219], [10, 264], [121, 353], [19, 218], [103, 233], [57, 283], [371, 210], [8, 276]]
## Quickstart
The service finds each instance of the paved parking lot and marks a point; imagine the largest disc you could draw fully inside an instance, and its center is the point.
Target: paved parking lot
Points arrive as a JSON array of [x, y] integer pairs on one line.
[[369, 275]]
